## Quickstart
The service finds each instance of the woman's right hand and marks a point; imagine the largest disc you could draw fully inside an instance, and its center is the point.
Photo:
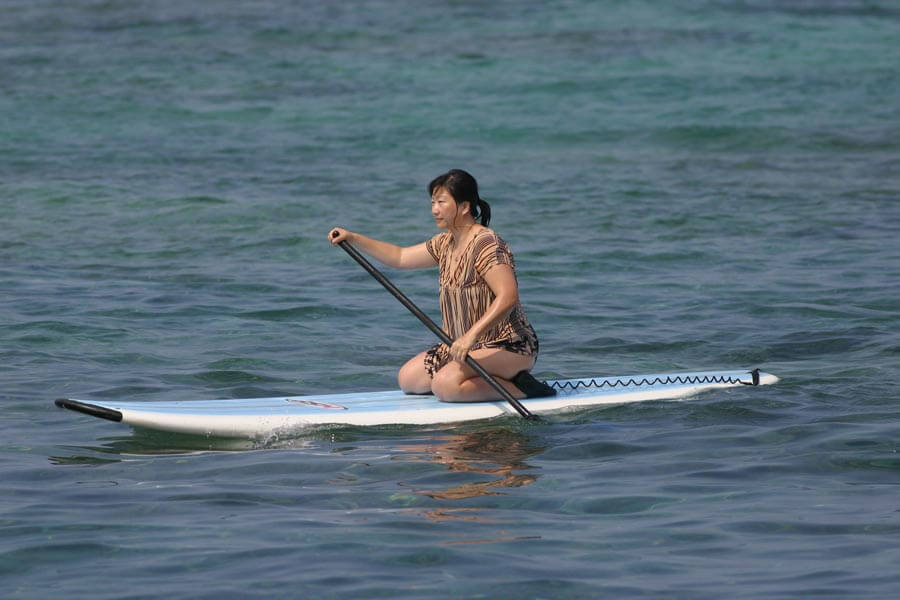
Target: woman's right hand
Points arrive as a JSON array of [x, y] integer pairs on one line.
[[338, 235]]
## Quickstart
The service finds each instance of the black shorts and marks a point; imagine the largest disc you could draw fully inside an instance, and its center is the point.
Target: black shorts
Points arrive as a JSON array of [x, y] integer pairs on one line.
[[438, 355]]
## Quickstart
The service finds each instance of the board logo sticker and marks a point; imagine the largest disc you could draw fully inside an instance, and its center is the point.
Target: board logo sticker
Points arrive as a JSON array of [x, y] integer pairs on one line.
[[316, 404]]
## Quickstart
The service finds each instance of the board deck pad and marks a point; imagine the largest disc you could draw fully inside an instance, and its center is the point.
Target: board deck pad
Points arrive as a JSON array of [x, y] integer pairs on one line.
[[260, 417]]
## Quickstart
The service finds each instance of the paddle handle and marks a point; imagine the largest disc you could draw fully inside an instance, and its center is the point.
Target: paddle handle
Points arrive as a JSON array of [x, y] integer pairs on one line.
[[426, 320]]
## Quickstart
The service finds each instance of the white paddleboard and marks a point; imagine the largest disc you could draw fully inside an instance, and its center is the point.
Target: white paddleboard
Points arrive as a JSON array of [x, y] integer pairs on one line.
[[262, 417]]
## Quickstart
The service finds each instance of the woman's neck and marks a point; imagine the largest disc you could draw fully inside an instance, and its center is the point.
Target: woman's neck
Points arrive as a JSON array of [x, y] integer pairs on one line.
[[462, 231]]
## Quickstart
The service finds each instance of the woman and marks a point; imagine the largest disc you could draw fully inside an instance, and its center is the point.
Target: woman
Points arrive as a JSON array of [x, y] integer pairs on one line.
[[479, 299]]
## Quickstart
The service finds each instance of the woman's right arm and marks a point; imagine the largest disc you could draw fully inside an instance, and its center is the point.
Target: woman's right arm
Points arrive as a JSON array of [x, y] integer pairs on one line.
[[397, 257]]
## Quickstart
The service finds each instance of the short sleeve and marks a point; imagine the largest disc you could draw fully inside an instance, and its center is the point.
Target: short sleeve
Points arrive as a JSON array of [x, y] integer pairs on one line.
[[491, 251], [437, 245]]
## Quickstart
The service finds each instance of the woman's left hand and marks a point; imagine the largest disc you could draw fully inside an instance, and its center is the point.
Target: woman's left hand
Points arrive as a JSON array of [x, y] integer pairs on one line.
[[461, 347]]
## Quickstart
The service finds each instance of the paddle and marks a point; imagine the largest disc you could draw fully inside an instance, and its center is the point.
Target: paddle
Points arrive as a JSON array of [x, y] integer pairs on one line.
[[379, 276]]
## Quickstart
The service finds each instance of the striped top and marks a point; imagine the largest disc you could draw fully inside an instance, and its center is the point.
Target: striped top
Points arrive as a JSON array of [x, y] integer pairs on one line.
[[465, 295]]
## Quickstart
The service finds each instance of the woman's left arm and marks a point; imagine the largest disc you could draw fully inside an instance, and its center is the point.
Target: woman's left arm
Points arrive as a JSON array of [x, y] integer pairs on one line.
[[502, 281]]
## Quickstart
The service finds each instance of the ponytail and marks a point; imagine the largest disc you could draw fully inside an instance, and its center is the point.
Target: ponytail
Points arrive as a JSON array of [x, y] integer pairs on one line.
[[483, 210]]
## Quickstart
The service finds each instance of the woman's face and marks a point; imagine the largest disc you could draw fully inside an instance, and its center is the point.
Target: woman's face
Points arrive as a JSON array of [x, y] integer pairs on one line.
[[444, 208]]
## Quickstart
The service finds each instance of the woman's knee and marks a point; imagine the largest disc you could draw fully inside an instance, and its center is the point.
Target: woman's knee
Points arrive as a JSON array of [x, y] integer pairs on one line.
[[447, 383], [413, 378]]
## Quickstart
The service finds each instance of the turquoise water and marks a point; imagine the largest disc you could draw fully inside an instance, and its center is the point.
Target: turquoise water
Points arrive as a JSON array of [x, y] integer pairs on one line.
[[686, 186]]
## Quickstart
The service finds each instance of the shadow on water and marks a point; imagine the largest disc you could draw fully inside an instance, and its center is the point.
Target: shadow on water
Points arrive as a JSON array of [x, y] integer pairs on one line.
[[145, 442], [496, 450], [466, 463]]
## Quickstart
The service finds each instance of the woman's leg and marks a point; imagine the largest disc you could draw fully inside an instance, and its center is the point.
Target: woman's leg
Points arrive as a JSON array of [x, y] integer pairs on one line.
[[413, 378], [457, 382]]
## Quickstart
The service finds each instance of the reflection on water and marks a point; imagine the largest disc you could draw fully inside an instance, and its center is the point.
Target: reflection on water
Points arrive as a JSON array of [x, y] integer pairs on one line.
[[498, 454]]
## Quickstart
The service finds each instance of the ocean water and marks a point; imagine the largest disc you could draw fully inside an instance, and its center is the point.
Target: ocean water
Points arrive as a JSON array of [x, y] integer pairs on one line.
[[689, 185]]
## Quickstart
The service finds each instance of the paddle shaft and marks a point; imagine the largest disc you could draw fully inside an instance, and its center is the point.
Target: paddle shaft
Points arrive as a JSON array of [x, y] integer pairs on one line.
[[426, 320]]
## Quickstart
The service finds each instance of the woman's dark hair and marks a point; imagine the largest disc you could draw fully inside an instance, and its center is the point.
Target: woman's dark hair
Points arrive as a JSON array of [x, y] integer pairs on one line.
[[463, 188]]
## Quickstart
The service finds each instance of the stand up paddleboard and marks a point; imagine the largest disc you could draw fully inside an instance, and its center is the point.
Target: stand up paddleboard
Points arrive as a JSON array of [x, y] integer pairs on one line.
[[262, 417]]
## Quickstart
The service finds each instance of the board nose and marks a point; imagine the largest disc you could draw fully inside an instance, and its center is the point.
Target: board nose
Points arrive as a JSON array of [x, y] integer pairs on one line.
[[90, 409]]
